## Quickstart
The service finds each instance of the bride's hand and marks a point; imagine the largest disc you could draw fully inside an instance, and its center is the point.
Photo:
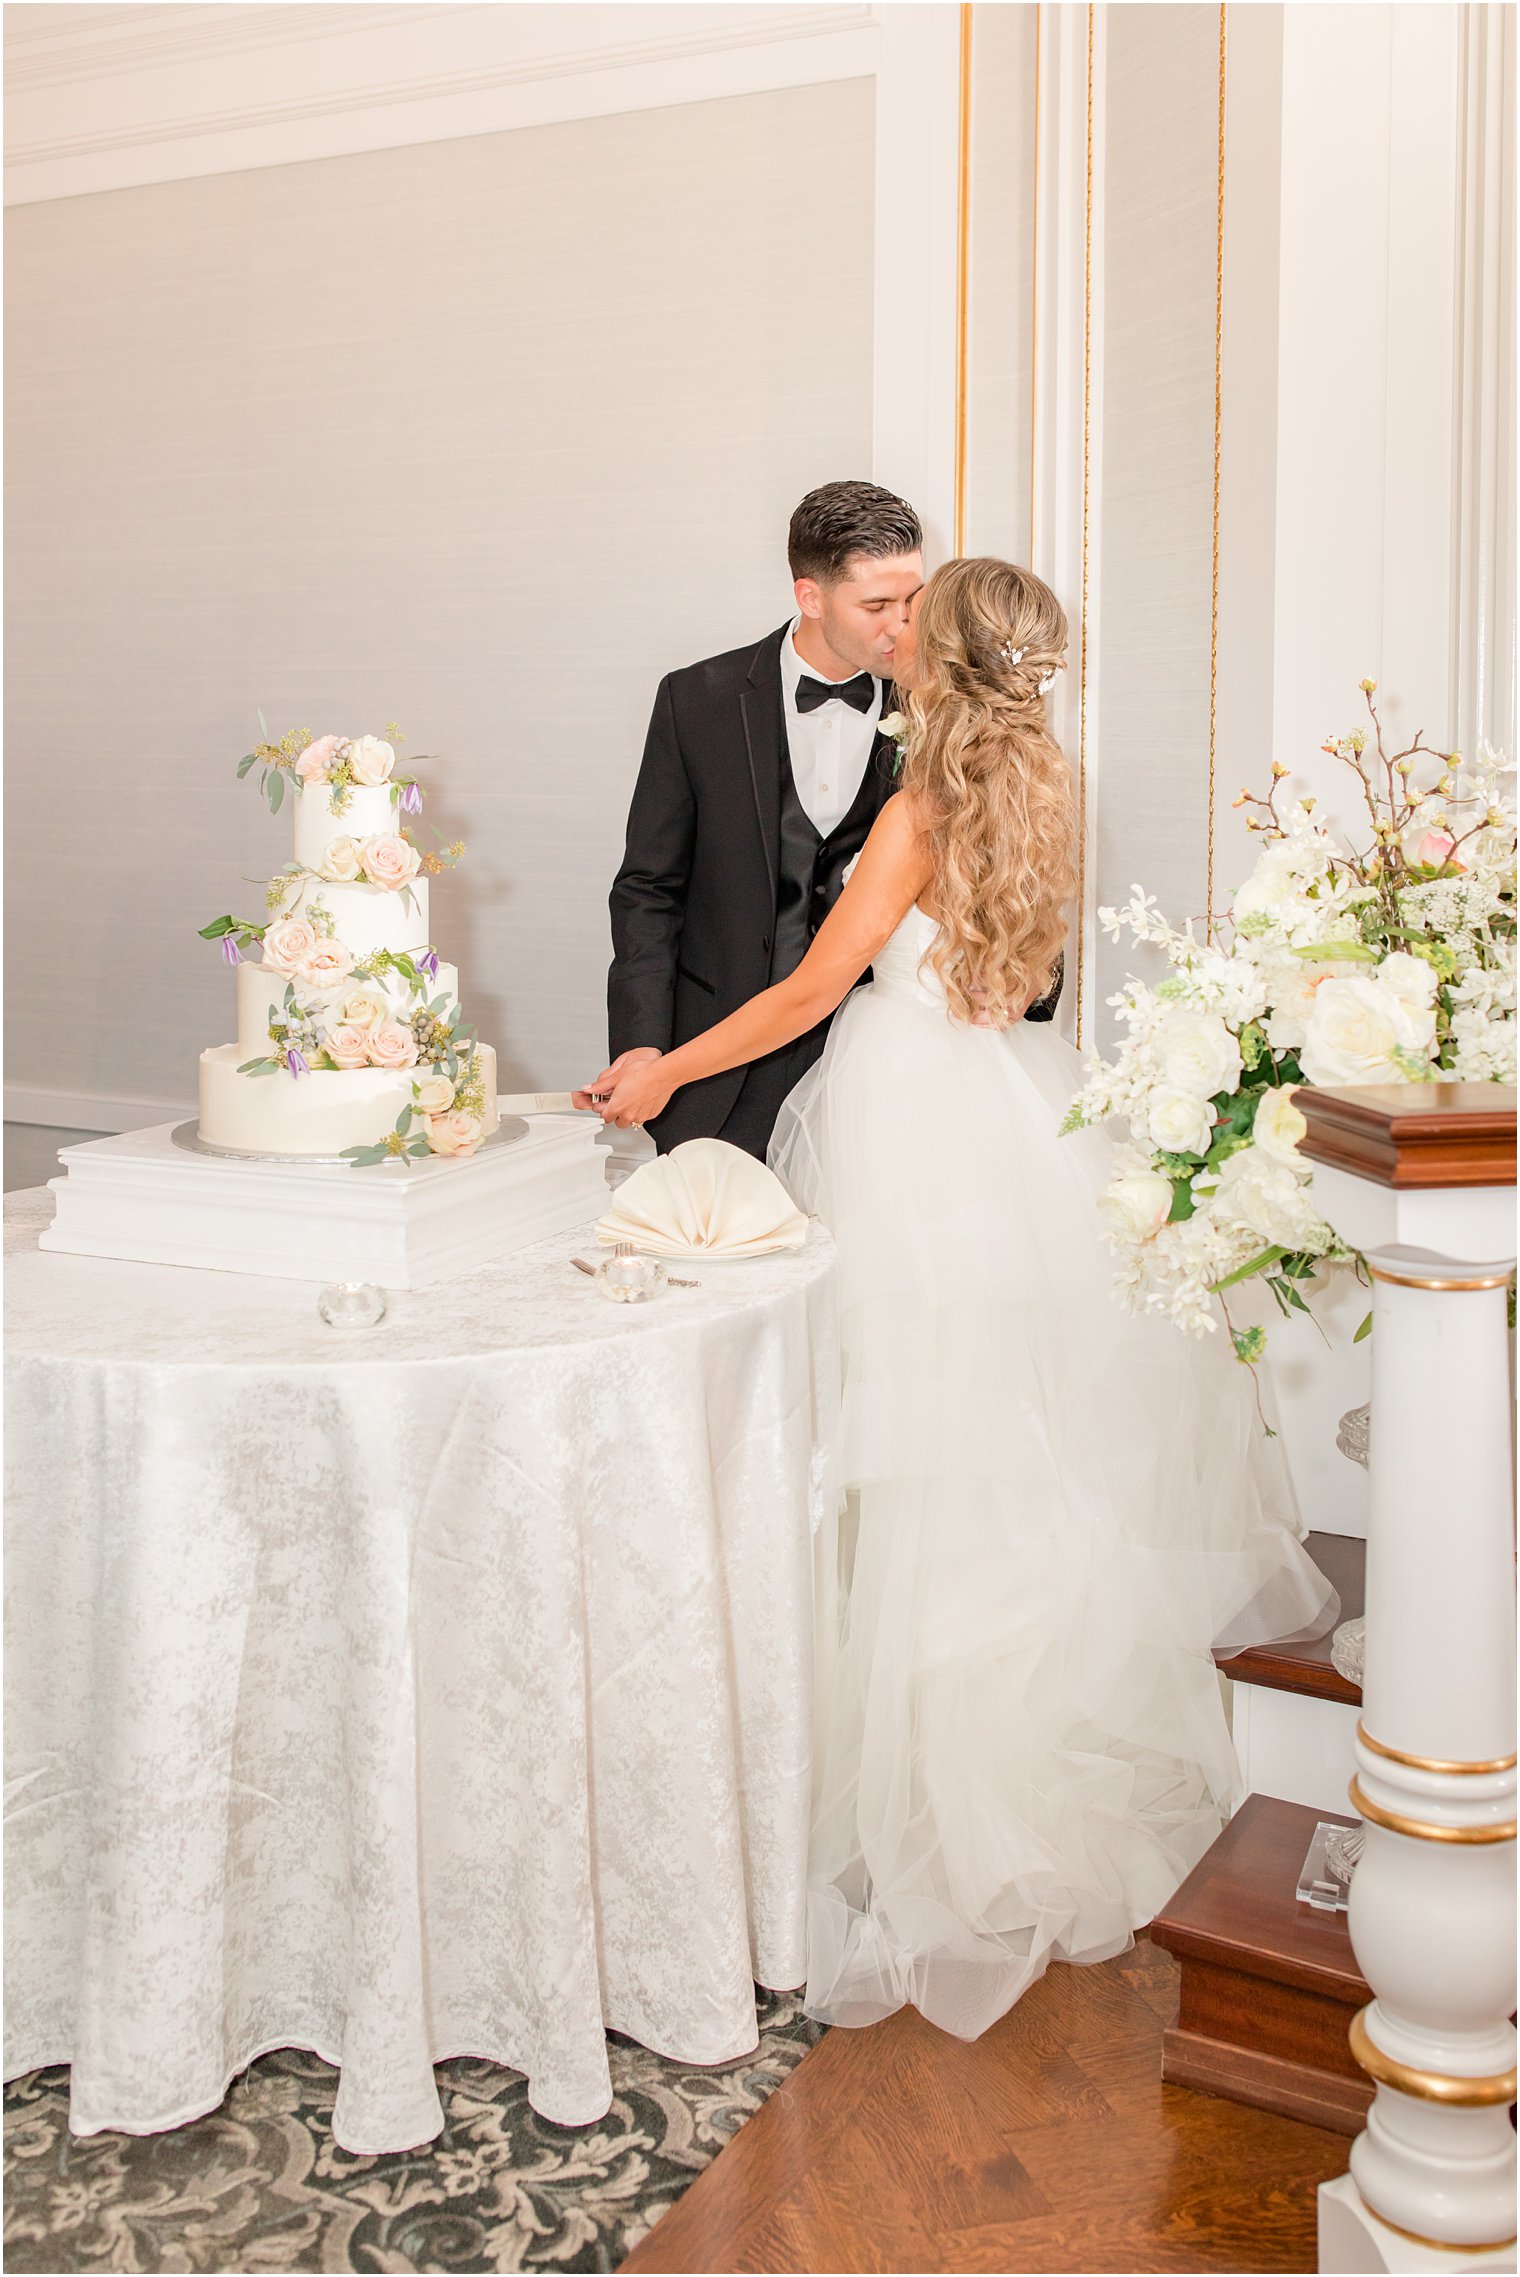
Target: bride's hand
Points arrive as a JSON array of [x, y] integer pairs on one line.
[[640, 1093], [594, 1093]]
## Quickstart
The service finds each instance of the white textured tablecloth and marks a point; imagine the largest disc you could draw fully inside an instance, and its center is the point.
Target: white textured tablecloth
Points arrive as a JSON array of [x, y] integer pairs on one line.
[[436, 1689]]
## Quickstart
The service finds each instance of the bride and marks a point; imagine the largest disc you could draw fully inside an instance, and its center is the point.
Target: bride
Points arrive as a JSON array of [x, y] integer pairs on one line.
[[1051, 1511]]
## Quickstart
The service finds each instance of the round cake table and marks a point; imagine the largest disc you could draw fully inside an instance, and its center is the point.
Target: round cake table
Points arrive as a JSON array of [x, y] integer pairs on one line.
[[433, 1689]]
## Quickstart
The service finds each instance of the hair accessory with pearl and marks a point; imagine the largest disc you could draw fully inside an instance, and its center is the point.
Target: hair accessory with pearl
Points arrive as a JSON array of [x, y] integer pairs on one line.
[[1047, 682], [1014, 655]]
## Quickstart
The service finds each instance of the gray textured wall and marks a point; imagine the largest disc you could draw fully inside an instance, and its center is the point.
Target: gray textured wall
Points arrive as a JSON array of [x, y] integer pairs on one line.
[[481, 436]]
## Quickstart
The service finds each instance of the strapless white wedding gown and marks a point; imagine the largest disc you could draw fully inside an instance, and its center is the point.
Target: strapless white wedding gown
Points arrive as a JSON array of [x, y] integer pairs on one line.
[[1052, 1511]]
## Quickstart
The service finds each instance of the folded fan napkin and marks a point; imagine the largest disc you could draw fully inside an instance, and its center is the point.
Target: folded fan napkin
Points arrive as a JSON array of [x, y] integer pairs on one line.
[[704, 1198]]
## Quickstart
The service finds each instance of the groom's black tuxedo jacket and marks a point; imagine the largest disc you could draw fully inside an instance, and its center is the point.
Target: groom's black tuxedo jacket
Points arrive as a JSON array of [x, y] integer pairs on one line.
[[713, 840], [724, 882]]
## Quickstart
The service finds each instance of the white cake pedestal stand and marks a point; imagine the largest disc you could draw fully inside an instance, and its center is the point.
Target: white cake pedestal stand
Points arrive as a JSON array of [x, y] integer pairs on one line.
[[141, 1196]]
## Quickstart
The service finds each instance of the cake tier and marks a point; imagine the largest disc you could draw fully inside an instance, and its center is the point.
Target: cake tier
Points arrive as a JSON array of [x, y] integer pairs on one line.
[[367, 814], [319, 1114], [366, 917], [261, 995]]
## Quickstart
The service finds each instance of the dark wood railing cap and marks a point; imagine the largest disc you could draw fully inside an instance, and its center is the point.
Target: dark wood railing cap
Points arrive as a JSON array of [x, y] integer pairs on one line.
[[1414, 1134]]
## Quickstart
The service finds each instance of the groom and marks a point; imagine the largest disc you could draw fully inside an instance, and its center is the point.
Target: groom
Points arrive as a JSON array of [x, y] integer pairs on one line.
[[762, 774]]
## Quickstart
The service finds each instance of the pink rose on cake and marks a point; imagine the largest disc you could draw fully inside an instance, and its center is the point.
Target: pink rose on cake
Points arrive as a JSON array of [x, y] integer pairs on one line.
[[316, 760], [366, 1013], [434, 1095], [392, 1046], [389, 861], [371, 761], [328, 964], [288, 942], [457, 1133], [342, 861], [348, 1046]]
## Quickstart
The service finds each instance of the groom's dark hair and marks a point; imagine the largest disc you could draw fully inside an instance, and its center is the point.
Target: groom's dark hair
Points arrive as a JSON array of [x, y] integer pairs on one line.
[[843, 519]]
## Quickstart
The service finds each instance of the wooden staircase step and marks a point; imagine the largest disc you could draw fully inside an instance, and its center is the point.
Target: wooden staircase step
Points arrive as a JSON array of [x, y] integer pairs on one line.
[[1269, 1986], [1308, 1668]]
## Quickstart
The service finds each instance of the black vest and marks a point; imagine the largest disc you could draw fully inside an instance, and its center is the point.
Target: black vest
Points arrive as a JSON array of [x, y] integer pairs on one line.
[[810, 870]]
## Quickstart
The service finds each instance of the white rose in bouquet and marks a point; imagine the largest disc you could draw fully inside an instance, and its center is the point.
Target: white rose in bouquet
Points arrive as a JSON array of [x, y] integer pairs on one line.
[[1179, 1122], [1254, 1191], [1295, 982], [1362, 1031], [1197, 1052], [1136, 1205], [1279, 1126]]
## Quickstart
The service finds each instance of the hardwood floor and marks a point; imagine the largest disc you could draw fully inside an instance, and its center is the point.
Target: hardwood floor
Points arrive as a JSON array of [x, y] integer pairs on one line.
[[1049, 2144]]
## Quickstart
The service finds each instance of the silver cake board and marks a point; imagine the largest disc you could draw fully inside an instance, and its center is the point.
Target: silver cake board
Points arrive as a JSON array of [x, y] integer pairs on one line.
[[144, 1196]]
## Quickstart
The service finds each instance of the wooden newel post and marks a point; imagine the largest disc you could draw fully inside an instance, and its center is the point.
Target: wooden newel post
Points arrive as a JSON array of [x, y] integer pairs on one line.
[[1420, 1178]]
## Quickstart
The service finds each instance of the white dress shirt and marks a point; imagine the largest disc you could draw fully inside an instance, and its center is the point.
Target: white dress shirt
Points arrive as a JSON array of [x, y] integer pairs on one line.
[[830, 748]]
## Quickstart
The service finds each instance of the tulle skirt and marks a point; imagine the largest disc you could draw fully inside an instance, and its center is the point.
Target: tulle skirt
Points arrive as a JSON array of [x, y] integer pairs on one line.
[[1049, 1513]]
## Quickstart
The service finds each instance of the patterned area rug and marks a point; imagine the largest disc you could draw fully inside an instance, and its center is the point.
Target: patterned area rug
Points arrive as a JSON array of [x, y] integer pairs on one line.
[[261, 2185]]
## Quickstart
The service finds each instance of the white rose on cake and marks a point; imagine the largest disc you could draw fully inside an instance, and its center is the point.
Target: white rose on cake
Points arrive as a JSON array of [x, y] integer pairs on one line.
[[1359, 1027], [1197, 1052], [288, 942], [347, 1045], [389, 860], [1179, 1122], [454, 1134], [434, 1095], [371, 761], [392, 1046], [342, 862], [366, 1013]]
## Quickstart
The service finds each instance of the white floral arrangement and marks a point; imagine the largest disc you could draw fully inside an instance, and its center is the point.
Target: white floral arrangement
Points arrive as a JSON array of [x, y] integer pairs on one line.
[[1392, 964]]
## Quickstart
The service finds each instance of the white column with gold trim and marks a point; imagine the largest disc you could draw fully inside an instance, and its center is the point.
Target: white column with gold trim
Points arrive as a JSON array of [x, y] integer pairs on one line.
[[1432, 2181]]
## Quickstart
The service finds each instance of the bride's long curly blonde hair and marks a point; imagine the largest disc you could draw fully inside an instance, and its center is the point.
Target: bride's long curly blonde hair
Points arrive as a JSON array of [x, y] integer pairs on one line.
[[991, 784]]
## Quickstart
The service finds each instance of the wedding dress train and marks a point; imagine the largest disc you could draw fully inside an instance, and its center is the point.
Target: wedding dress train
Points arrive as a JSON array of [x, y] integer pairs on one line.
[[1051, 1512]]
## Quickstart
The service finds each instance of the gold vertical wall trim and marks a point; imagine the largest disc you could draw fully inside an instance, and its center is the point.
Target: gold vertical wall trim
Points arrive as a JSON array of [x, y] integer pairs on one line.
[[1218, 437], [1034, 291], [962, 279], [1086, 523]]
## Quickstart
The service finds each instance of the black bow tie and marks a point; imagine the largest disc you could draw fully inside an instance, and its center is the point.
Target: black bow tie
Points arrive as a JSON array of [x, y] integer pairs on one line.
[[859, 693]]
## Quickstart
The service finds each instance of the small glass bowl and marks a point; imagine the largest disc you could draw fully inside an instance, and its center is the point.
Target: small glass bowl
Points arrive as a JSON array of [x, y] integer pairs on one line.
[[352, 1304], [626, 1278]]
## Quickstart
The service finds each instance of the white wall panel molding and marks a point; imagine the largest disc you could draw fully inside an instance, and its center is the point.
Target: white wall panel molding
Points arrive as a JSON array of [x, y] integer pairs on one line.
[[139, 95], [917, 110], [1068, 426], [1483, 582]]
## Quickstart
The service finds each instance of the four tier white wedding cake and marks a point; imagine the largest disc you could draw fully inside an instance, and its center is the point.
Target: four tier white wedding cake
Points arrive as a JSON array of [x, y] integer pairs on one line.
[[351, 1040]]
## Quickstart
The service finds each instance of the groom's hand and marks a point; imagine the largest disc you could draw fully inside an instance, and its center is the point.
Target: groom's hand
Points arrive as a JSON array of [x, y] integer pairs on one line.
[[590, 1100]]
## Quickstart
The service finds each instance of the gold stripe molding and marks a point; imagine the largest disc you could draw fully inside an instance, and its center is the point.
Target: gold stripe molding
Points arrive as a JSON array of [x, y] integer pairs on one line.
[[1461, 2093], [1424, 1829]]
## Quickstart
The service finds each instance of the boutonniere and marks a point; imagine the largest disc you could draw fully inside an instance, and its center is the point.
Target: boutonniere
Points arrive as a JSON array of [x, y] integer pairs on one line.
[[895, 728]]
